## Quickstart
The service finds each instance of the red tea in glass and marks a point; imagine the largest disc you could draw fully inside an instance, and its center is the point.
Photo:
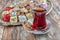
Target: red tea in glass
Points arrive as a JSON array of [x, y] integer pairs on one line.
[[39, 22]]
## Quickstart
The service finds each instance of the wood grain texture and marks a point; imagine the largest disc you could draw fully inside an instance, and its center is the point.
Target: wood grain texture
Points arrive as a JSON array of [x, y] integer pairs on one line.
[[16, 33], [7, 33], [1, 31]]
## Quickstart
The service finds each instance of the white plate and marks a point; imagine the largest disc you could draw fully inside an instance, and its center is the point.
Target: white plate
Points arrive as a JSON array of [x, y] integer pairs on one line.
[[49, 25]]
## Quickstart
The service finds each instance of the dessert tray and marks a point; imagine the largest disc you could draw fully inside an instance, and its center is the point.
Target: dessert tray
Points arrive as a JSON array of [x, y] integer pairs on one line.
[[16, 14]]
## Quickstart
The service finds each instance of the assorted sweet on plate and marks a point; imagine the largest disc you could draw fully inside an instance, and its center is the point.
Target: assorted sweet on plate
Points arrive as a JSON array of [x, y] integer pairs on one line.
[[20, 11], [16, 13]]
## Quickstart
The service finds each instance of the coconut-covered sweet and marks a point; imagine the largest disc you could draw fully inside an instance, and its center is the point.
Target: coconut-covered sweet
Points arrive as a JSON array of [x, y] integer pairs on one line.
[[22, 18]]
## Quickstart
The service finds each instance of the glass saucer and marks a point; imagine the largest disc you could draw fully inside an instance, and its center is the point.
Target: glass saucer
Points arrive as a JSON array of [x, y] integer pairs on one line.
[[49, 25]]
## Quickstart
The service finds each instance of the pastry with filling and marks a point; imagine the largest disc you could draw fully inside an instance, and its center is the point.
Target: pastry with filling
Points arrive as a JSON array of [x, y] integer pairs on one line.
[[13, 19], [29, 15]]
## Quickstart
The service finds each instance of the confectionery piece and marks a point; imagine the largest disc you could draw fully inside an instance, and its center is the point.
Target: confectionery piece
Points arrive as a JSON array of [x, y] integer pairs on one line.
[[24, 10], [31, 4], [16, 8], [29, 15], [22, 18], [30, 11], [13, 14], [6, 18], [27, 5], [8, 8], [13, 19], [27, 26]]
